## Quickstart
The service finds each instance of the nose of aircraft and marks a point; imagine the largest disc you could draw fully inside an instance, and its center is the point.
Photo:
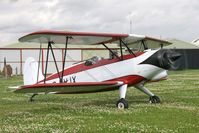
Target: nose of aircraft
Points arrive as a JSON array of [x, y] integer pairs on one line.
[[167, 58], [163, 58]]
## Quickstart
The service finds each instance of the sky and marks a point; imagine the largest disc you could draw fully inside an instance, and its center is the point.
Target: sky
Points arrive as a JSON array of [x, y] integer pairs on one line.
[[157, 18]]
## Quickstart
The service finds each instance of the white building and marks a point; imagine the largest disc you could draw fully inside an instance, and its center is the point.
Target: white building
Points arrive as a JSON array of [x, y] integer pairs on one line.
[[16, 54]]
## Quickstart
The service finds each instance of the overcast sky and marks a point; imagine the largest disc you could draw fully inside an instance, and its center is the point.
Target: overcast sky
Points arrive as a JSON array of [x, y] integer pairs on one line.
[[166, 19]]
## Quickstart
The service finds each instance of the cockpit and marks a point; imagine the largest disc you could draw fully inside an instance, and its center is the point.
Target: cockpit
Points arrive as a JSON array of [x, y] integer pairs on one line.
[[92, 60]]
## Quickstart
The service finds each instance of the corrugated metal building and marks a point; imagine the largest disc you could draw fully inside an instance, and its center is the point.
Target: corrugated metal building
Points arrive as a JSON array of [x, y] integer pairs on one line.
[[190, 54]]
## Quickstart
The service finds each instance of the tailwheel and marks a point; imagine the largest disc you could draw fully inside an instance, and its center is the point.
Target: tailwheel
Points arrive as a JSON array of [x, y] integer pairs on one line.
[[31, 98], [154, 99], [122, 104]]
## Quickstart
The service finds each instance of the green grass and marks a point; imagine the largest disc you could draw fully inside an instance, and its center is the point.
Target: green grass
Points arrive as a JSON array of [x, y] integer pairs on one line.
[[178, 112]]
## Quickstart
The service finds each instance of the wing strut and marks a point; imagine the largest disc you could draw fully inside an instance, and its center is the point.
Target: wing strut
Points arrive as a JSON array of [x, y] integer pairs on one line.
[[39, 62], [144, 45], [65, 51], [50, 49], [111, 51], [130, 51], [121, 42], [121, 49]]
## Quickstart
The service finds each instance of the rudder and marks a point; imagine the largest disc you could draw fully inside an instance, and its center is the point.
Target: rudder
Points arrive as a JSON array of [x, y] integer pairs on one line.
[[31, 75]]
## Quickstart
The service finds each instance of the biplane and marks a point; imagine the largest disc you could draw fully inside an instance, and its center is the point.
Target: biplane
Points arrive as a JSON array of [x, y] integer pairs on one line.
[[123, 68]]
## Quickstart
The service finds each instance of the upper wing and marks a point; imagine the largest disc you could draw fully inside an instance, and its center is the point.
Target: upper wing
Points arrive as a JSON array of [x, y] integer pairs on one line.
[[87, 38], [77, 37], [81, 87]]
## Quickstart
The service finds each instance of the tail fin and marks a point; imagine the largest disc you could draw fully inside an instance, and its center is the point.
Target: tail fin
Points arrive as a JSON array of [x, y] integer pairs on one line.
[[31, 74]]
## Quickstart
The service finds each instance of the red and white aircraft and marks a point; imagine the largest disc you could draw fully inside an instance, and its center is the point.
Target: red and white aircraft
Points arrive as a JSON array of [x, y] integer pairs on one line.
[[98, 74]]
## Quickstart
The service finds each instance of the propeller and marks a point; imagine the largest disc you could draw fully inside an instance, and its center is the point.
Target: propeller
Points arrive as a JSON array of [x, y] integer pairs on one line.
[[167, 58], [164, 58]]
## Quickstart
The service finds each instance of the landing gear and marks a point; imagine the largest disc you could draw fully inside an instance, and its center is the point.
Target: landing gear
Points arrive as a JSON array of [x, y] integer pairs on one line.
[[122, 103], [31, 98], [154, 99]]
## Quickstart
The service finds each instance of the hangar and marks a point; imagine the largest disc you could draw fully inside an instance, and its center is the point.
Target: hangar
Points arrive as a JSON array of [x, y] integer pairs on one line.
[[16, 54], [190, 54]]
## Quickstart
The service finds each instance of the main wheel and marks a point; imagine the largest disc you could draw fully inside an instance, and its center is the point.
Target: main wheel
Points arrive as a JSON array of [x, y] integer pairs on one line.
[[154, 99], [122, 104]]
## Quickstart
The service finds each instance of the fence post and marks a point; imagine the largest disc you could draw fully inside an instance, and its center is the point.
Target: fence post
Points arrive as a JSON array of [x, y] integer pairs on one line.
[[5, 69]]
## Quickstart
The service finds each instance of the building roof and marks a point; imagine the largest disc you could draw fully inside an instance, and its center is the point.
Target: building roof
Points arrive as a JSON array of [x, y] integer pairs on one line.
[[179, 44]]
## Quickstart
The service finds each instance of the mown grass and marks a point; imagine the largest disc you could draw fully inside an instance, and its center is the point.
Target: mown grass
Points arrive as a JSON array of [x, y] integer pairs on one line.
[[178, 112]]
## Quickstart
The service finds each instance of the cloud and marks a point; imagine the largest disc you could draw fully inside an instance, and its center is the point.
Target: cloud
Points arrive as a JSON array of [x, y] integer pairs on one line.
[[169, 19]]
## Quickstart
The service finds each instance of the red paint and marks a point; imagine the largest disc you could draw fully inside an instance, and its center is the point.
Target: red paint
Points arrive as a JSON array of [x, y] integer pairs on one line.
[[130, 80], [82, 67]]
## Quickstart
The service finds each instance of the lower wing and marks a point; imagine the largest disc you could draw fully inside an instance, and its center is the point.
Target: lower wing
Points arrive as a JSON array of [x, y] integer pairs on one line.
[[69, 88]]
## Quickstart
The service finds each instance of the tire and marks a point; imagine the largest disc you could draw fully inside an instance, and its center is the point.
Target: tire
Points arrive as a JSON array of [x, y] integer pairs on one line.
[[154, 99], [122, 104]]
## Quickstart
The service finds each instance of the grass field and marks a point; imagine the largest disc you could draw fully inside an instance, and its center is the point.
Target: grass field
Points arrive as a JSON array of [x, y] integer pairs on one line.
[[178, 112]]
